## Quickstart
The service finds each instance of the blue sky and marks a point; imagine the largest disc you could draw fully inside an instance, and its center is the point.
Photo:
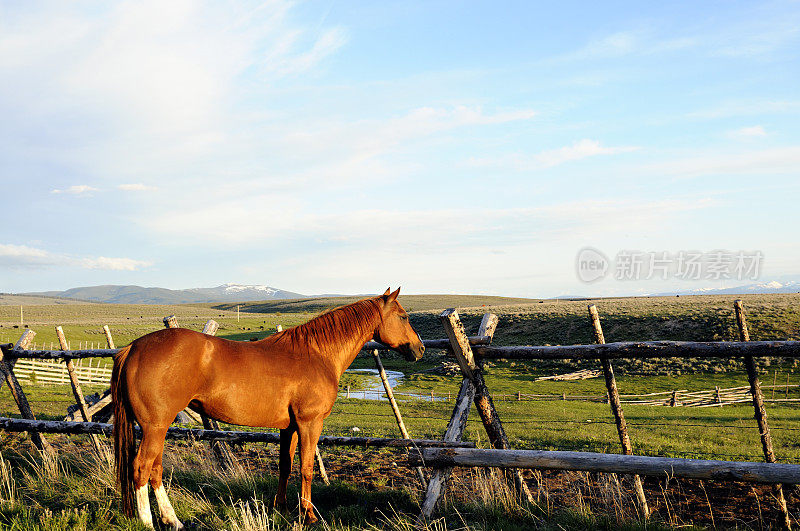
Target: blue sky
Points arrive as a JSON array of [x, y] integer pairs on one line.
[[448, 147]]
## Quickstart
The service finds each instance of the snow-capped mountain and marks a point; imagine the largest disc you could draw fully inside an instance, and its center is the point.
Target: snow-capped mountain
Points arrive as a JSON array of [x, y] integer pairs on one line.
[[772, 286], [244, 292]]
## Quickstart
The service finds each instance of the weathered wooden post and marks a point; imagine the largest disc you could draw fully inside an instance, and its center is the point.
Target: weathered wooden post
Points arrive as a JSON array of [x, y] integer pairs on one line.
[[395, 409], [109, 339], [760, 410], [7, 368], [459, 343], [170, 321], [673, 401], [211, 327], [458, 422], [616, 408], [453, 433], [221, 449], [78, 393]]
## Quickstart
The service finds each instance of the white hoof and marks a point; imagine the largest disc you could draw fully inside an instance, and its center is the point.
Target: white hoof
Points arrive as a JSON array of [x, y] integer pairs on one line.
[[143, 506], [165, 509]]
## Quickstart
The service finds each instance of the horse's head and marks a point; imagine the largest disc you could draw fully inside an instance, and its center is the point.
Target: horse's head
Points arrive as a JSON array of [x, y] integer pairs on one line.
[[395, 331]]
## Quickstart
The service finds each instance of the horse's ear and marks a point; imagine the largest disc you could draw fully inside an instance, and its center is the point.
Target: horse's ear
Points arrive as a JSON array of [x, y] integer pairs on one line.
[[386, 293], [393, 295]]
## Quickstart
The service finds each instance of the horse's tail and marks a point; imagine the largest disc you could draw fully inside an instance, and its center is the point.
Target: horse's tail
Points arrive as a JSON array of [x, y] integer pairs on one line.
[[124, 437]]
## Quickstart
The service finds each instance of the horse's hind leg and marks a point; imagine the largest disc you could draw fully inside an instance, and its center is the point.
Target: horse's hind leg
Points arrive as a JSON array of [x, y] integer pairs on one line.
[[287, 449], [149, 449], [164, 506], [309, 437]]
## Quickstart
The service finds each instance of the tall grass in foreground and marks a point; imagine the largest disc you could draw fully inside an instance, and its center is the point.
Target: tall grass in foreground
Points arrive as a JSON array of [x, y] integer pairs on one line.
[[74, 490]]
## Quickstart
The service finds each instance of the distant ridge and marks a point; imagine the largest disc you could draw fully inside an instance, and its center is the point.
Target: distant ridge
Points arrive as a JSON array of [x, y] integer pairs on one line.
[[142, 295], [762, 288]]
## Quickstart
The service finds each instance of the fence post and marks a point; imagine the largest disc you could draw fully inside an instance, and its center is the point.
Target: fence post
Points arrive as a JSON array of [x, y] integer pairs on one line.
[[109, 339], [78, 393], [220, 448], [454, 431], [760, 410], [459, 343], [7, 368], [395, 409], [616, 408]]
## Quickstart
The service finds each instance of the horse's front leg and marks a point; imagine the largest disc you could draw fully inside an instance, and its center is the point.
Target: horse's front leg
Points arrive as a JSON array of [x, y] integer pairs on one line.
[[309, 436], [287, 449]]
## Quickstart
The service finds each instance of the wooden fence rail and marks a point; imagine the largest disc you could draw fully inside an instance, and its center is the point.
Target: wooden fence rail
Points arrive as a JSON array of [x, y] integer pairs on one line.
[[610, 463], [60, 426], [47, 371]]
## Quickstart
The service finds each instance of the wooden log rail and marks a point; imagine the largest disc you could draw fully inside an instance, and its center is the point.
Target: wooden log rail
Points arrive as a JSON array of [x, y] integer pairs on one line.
[[645, 349], [60, 426], [610, 463]]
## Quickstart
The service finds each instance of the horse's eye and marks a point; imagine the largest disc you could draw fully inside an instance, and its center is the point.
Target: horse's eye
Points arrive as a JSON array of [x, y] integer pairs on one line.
[[404, 317]]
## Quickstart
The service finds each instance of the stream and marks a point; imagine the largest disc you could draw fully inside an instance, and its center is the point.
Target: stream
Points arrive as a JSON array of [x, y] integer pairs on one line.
[[374, 389]]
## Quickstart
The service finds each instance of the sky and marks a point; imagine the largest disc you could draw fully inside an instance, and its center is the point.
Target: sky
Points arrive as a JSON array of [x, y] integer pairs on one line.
[[447, 147]]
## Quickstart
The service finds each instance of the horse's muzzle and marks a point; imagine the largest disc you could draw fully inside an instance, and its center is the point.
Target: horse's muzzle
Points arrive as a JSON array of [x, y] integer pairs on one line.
[[412, 352]]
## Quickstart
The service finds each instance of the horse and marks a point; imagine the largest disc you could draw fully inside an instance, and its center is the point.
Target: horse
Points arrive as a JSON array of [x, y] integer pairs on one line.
[[288, 381]]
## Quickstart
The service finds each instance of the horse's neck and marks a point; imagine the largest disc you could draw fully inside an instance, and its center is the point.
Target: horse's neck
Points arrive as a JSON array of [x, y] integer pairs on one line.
[[353, 342]]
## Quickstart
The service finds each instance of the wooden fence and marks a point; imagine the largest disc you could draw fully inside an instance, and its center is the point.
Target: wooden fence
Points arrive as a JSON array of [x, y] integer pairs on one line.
[[87, 371]]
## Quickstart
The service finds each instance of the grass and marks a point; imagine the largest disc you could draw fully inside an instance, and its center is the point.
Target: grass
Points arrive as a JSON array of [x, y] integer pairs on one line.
[[75, 490]]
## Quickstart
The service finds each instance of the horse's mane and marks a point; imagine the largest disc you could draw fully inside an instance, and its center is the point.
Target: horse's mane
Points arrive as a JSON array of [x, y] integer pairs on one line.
[[337, 326]]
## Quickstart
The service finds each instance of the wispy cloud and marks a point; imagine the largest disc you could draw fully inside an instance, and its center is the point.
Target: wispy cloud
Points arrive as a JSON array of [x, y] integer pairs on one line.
[[282, 63], [114, 264], [553, 157], [136, 187], [747, 108], [25, 257], [77, 189], [748, 132], [757, 162]]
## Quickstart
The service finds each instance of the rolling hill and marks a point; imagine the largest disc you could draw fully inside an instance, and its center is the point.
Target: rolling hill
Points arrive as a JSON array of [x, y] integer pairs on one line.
[[141, 295]]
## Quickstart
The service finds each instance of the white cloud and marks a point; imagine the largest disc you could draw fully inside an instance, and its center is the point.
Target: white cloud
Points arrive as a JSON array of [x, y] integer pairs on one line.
[[553, 157], [748, 132], [756, 162], [579, 150], [114, 264], [747, 108], [77, 189], [25, 257], [328, 43], [175, 80], [136, 187]]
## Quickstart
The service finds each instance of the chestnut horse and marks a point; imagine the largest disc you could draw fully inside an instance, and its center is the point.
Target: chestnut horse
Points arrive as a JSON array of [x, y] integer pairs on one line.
[[288, 380]]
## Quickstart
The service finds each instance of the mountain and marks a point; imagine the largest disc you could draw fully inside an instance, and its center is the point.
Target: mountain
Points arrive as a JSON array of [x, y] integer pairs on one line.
[[790, 286], [141, 295]]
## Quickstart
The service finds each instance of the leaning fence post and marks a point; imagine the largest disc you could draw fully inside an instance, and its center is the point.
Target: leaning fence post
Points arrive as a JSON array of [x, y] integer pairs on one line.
[[760, 410], [616, 408], [78, 392], [109, 339], [454, 431], [221, 449], [459, 343], [7, 368], [395, 409]]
